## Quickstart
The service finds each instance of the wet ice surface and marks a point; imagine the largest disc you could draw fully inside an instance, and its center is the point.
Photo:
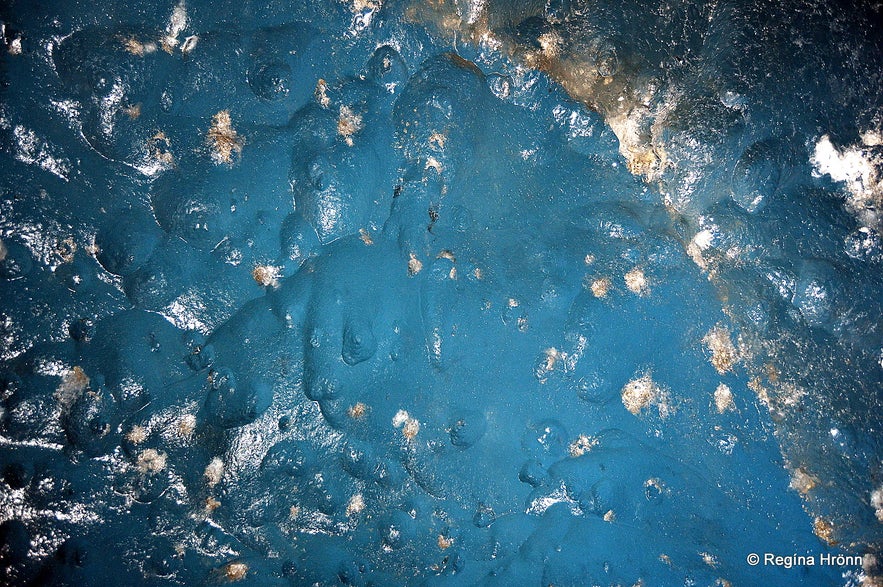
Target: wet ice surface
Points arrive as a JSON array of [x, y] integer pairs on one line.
[[363, 293]]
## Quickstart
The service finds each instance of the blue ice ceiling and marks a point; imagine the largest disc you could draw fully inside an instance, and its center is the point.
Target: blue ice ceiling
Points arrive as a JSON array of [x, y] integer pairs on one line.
[[441, 293]]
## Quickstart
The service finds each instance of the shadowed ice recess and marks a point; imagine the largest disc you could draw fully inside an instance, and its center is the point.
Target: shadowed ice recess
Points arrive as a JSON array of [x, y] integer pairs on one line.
[[381, 292]]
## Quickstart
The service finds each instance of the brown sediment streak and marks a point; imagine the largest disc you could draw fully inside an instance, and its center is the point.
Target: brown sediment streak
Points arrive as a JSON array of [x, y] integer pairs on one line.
[[616, 86]]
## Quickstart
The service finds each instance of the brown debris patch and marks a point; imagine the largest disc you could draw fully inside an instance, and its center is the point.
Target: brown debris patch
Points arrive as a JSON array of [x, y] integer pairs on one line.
[[824, 529], [223, 139], [723, 353]]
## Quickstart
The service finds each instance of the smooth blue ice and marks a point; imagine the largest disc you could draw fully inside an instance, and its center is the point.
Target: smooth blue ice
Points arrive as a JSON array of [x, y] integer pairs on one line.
[[441, 293]]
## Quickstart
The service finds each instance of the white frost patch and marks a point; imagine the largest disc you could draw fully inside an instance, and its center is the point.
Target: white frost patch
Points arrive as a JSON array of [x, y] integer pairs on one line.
[[42, 444], [859, 168], [109, 105], [189, 44], [177, 23], [723, 399], [699, 244], [70, 109], [186, 312], [524, 88], [13, 46], [400, 418], [214, 472], [51, 368], [355, 505], [877, 502], [703, 239], [32, 150], [578, 124], [475, 9], [553, 359], [363, 14], [539, 505]]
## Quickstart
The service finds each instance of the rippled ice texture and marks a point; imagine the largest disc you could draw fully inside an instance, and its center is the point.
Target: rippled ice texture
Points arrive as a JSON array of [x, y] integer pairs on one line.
[[378, 293]]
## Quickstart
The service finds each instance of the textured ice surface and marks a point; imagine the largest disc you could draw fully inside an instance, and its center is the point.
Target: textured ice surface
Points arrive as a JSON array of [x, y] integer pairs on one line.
[[379, 293]]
